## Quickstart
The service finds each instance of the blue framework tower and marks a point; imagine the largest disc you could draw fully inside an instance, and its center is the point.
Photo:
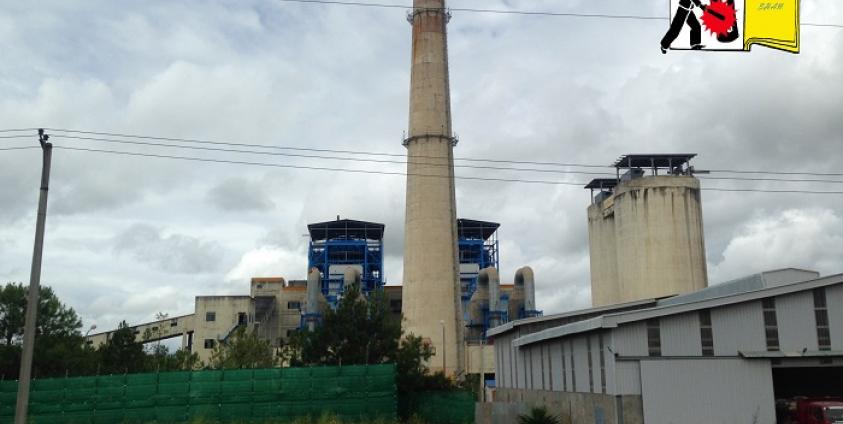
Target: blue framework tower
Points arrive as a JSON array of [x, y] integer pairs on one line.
[[478, 245], [336, 246]]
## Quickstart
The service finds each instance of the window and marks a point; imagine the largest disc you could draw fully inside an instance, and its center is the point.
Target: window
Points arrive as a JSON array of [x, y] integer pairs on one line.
[[602, 366], [210, 343], [590, 369], [706, 333], [210, 316], [821, 315], [654, 339], [290, 332], [395, 306], [174, 323], [293, 304], [242, 318], [771, 328]]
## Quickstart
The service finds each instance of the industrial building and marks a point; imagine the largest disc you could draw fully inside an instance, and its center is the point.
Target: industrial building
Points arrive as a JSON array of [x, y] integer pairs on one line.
[[645, 232], [724, 354], [343, 252]]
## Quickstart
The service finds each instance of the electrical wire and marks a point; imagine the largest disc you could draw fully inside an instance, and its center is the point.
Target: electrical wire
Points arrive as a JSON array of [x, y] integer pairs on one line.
[[404, 162], [309, 149], [352, 159], [518, 12], [465, 159], [365, 171], [18, 130], [20, 148], [315, 168]]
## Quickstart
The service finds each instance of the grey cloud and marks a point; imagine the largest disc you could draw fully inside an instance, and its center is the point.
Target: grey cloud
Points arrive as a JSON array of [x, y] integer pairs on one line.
[[172, 253], [240, 194]]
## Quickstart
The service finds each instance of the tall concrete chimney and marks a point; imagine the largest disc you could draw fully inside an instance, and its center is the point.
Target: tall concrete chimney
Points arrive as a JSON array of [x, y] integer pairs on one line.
[[431, 300]]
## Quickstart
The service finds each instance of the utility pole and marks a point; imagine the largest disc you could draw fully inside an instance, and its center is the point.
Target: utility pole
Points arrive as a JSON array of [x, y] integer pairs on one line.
[[34, 282]]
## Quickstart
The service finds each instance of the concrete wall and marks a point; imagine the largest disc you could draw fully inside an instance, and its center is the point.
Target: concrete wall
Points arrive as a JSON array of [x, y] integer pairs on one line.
[[602, 254], [659, 237], [226, 310], [473, 360], [155, 330], [569, 407]]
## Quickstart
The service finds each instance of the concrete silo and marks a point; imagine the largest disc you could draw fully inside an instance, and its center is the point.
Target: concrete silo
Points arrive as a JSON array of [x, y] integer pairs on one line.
[[646, 233]]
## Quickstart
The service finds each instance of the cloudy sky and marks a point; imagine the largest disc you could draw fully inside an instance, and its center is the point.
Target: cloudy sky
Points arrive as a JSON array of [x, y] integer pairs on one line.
[[128, 237]]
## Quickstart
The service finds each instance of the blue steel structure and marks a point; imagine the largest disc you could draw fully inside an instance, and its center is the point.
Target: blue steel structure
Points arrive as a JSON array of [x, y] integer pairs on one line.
[[336, 245], [478, 245]]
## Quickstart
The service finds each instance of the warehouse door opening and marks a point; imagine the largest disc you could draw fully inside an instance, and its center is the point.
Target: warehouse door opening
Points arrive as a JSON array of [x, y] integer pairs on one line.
[[811, 382]]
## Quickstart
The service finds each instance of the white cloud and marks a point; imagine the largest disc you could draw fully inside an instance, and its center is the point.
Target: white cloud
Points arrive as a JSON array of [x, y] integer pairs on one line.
[[800, 238]]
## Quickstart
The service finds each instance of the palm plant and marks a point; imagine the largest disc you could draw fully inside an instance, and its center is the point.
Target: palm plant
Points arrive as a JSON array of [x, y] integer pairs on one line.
[[538, 415]]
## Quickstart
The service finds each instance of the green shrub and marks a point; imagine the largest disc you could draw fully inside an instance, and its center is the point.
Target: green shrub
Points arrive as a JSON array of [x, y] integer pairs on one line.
[[538, 415]]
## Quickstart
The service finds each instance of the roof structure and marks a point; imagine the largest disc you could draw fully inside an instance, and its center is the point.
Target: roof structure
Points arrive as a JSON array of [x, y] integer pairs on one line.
[[346, 228], [602, 183], [653, 160], [612, 320], [473, 229]]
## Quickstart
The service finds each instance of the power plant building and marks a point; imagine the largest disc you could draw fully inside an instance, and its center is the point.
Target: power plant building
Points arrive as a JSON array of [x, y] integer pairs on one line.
[[646, 230]]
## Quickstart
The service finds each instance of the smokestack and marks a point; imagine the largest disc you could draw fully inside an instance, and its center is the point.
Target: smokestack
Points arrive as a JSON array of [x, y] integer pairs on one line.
[[431, 300]]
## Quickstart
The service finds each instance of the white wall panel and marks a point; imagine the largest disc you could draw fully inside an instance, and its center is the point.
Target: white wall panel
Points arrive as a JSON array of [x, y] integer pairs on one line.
[[738, 327], [680, 335], [834, 299], [797, 325]]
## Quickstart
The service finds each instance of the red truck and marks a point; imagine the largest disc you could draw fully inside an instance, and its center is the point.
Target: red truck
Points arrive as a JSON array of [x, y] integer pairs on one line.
[[814, 411]]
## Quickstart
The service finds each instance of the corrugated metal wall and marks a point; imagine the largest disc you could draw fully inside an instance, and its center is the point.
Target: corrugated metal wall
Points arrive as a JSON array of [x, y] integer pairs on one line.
[[797, 325], [707, 391], [556, 365], [834, 298], [680, 335], [631, 339], [738, 327], [581, 364], [628, 379]]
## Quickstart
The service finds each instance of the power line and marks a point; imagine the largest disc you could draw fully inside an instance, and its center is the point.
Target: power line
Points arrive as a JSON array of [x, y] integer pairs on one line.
[[365, 171], [310, 149], [315, 168], [518, 12], [352, 159], [464, 159], [18, 130], [16, 136], [404, 162], [20, 148]]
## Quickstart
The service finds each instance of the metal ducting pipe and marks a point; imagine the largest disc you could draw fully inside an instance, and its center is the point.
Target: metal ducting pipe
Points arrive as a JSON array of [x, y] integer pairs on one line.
[[352, 277], [524, 278], [489, 278], [314, 291]]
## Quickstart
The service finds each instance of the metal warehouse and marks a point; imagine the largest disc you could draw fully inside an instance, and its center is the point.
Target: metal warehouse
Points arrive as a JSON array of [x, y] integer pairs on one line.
[[724, 354]]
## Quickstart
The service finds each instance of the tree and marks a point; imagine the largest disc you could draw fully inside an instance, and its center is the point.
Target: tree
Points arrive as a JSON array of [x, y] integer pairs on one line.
[[121, 353], [54, 318], [59, 347], [357, 332], [243, 350]]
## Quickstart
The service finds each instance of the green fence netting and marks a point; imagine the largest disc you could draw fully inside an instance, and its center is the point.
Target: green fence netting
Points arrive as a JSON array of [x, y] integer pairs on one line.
[[439, 407], [260, 395]]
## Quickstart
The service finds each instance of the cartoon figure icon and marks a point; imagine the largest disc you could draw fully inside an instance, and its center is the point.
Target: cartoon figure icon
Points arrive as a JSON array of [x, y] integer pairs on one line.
[[732, 25], [684, 15]]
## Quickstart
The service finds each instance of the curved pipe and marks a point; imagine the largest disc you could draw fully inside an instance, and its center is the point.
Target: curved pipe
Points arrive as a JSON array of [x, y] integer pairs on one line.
[[524, 279], [489, 279], [314, 289], [353, 277]]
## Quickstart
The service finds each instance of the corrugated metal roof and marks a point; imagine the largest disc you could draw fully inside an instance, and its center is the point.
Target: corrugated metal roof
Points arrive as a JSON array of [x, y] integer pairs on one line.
[[613, 320]]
